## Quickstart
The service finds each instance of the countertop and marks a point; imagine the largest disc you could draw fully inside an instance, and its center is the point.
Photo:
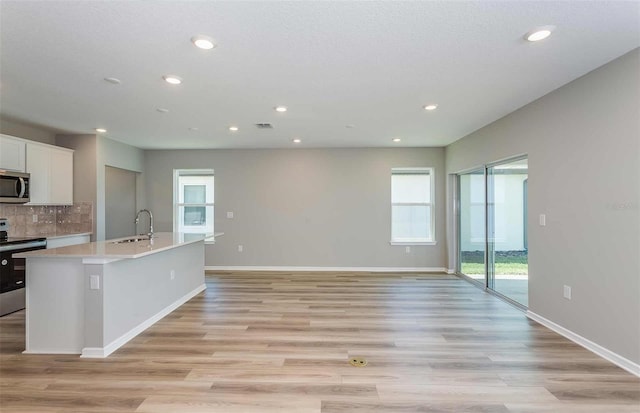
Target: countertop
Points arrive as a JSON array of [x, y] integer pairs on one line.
[[109, 250], [52, 236], [58, 236]]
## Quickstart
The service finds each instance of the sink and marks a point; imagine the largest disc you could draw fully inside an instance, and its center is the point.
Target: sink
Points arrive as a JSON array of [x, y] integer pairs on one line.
[[132, 239]]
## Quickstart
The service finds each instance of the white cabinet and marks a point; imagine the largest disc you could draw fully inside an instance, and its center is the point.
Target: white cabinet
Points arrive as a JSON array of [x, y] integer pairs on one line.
[[61, 177], [12, 153], [51, 170], [38, 165]]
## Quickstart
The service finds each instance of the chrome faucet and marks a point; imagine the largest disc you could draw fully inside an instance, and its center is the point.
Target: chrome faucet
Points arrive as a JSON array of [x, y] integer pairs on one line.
[[150, 234]]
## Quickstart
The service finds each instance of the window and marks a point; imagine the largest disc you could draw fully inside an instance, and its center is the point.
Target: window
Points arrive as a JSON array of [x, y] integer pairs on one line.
[[412, 206], [193, 203]]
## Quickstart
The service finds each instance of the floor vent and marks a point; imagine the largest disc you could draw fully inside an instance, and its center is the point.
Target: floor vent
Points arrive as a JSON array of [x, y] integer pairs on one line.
[[358, 362]]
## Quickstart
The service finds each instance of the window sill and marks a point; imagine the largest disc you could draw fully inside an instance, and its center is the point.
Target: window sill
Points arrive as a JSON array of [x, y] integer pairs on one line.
[[413, 243]]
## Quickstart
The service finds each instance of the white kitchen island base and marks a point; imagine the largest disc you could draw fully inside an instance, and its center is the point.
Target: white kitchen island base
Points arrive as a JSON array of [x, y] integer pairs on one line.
[[92, 305]]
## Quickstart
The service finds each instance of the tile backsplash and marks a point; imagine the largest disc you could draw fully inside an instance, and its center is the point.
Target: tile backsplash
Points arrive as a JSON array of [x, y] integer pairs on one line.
[[48, 220]]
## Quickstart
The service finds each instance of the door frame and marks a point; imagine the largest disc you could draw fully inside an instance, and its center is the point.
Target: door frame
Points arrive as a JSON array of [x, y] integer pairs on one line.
[[457, 212], [458, 227]]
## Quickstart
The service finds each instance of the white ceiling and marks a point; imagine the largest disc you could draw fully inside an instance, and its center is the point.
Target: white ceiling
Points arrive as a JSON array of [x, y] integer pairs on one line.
[[368, 64]]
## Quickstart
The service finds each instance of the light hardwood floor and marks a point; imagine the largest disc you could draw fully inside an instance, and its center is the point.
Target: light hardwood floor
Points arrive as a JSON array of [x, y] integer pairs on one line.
[[280, 342]]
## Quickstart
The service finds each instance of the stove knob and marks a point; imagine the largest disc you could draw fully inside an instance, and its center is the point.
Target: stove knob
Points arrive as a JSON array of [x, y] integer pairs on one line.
[[4, 262]]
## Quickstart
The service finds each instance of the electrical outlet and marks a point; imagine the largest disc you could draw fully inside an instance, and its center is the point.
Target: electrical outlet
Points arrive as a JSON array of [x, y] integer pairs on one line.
[[230, 214], [172, 274], [34, 218], [94, 282], [567, 292], [407, 249], [543, 220], [240, 248]]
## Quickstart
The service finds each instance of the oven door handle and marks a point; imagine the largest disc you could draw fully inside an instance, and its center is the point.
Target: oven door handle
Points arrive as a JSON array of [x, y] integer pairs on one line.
[[23, 187], [23, 246]]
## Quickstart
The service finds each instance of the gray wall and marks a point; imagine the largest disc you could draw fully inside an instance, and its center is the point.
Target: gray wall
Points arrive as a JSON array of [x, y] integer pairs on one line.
[[584, 174], [92, 155], [84, 165], [120, 203], [302, 207], [19, 129], [119, 155], [84, 169]]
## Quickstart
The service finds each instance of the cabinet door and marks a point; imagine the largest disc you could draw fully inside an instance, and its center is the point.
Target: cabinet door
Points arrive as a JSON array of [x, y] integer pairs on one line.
[[12, 154], [61, 177], [38, 165]]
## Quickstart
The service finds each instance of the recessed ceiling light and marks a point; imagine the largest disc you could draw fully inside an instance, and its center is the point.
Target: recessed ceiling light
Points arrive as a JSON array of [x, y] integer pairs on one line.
[[174, 80], [431, 106], [233, 128], [539, 33], [203, 42], [162, 110], [280, 108], [396, 139], [296, 140], [101, 130], [112, 80]]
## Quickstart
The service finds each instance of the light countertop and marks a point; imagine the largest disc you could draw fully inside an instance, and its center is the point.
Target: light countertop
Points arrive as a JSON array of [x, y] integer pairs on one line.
[[52, 236], [109, 250], [58, 236]]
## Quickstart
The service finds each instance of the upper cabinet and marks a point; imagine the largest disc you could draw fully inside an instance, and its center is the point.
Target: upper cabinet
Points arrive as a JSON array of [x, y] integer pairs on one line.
[[12, 153], [61, 177], [51, 170]]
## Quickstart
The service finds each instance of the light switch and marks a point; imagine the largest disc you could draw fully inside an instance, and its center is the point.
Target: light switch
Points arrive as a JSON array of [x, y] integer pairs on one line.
[[543, 220], [230, 215], [95, 282]]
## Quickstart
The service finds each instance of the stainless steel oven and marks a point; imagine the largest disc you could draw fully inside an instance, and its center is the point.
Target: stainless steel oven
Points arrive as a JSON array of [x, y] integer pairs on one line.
[[12, 271], [14, 187]]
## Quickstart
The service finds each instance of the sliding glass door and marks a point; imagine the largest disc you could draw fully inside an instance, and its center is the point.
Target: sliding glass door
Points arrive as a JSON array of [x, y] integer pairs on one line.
[[507, 252], [492, 228], [471, 225]]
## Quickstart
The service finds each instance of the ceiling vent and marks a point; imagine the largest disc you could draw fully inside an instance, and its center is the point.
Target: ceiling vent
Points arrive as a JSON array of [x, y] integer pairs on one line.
[[264, 126]]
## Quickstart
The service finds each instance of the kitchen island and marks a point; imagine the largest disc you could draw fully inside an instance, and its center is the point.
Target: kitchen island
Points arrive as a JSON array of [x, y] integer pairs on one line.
[[92, 298]]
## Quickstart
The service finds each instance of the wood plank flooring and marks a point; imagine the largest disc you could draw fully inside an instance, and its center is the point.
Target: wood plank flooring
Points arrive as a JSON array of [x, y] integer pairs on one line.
[[280, 342]]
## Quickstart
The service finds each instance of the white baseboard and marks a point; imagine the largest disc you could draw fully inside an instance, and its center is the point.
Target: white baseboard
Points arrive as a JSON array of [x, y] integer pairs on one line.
[[101, 352], [451, 271], [324, 269], [605, 353], [94, 352], [50, 351]]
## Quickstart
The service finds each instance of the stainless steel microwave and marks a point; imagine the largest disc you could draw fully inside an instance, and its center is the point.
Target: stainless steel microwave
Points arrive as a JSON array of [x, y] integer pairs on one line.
[[14, 187]]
